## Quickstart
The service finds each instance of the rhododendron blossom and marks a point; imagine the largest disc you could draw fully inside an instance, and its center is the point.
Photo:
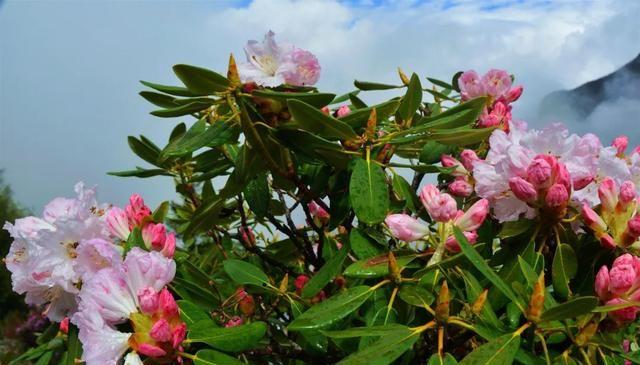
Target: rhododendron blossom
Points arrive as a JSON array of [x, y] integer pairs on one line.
[[620, 284]]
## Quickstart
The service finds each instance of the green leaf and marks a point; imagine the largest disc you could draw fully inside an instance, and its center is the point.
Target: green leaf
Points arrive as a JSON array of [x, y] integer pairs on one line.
[[500, 351], [161, 100], [140, 172], [375, 267], [461, 115], [440, 83], [416, 295], [344, 97], [358, 118], [258, 195], [457, 137], [412, 99], [366, 86], [564, 268], [385, 350], [515, 228], [327, 272], [432, 151], [314, 147], [313, 120], [200, 80], [436, 359], [570, 309], [317, 100], [245, 273], [402, 188], [212, 357], [361, 245], [232, 339], [369, 192], [160, 213], [201, 135], [181, 110], [74, 348], [372, 331], [173, 90], [144, 150], [477, 261], [191, 313], [332, 310]]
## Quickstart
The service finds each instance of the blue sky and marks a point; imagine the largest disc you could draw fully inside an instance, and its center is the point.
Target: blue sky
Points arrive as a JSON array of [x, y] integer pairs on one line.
[[69, 70]]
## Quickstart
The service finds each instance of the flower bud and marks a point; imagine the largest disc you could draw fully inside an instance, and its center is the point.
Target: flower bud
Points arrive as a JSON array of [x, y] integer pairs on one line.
[[608, 194], [148, 299], [628, 195], [601, 284], [161, 331], [441, 206], [624, 315], [151, 350], [320, 216], [536, 303], [167, 304], [247, 305], [326, 110], [452, 245], [460, 188], [513, 94], [468, 158], [473, 218], [620, 143], [64, 325], [458, 168], [442, 309], [592, 219], [118, 223], [247, 236], [557, 196], [405, 227], [607, 242], [136, 211], [523, 189], [343, 111], [234, 322], [632, 232], [300, 282], [154, 236], [478, 304], [169, 245], [178, 335], [394, 269], [539, 171], [586, 333], [579, 184], [622, 278]]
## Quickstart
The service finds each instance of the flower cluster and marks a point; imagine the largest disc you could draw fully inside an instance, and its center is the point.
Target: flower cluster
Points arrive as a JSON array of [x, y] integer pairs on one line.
[[620, 284], [71, 260], [496, 85], [443, 210], [272, 64]]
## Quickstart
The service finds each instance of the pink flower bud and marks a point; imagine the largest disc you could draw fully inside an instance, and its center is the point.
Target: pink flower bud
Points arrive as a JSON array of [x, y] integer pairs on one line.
[[441, 207], [118, 223], [154, 236], [628, 193], [406, 228], [557, 196], [620, 143], [318, 213], [602, 283], [513, 94], [234, 322], [539, 171], [523, 189], [579, 184], [169, 245], [343, 111], [461, 188], [136, 211], [161, 331], [178, 335], [151, 350], [632, 232], [148, 299], [300, 282], [622, 278], [608, 193], [468, 158], [64, 325], [326, 110], [607, 242], [624, 315], [458, 169], [167, 304], [562, 177], [474, 216], [592, 219], [452, 245]]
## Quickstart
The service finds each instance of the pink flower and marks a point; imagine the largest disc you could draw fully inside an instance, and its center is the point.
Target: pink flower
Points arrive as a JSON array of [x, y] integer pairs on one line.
[[473, 218], [118, 223], [461, 188], [471, 86], [499, 115], [496, 82], [513, 94], [343, 111], [441, 206], [406, 228], [136, 211], [270, 64], [154, 236], [620, 143], [148, 299], [619, 284]]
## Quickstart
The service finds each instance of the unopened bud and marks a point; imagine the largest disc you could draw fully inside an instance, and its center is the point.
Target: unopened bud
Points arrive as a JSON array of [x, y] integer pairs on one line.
[[442, 309], [394, 270], [403, 77], [478, 305], [586, 333], [284, 284], [536, 304]]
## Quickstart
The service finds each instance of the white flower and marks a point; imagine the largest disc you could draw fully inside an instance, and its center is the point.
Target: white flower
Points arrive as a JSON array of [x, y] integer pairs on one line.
[[101, 344]]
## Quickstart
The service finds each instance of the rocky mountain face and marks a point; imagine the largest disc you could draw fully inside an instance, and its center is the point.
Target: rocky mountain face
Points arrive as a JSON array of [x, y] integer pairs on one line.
[[580, 103]]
